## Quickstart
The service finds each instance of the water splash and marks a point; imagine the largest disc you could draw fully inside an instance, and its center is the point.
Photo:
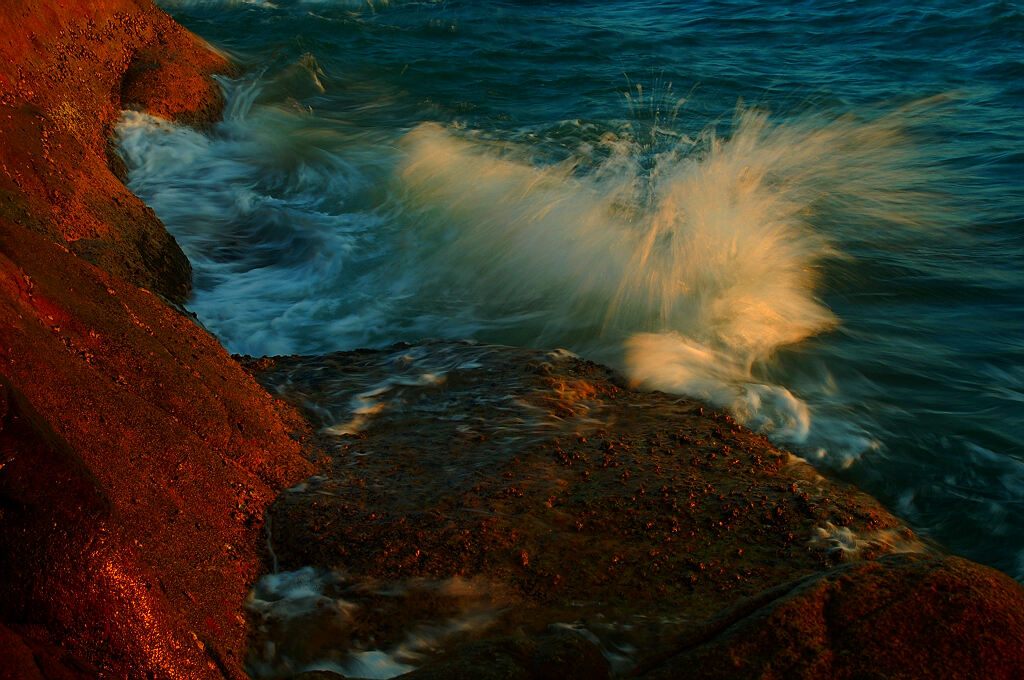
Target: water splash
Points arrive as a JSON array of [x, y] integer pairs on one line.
[[689, 266], [320, 620], [686, 260]]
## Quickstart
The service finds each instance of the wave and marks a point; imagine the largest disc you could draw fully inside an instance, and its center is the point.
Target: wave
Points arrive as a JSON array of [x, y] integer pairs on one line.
[[689, 267], [686, 263]]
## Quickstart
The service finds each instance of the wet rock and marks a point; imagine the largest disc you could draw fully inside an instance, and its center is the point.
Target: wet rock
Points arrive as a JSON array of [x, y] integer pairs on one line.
[[489, 660], [633, 519], [898, 617], [568, 655], [558, 654], [137, 456]]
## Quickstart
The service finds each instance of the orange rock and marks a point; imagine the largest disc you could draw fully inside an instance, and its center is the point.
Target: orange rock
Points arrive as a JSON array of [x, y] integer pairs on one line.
[[68, 70], [686, 545], [137, 456], [900, 617]]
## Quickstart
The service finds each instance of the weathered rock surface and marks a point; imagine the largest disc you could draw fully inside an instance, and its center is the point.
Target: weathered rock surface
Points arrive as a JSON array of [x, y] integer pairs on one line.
[[902, 616], [67, 565], [643, 524], [67, 69], [28, 659], [135, 456]]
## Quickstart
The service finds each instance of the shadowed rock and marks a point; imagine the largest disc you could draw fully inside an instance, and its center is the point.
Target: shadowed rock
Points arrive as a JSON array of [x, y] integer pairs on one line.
[[632, 520], [903, 616]]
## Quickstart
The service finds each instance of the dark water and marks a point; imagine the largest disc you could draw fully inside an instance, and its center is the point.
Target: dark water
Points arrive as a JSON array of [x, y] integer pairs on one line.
[[807, 212]]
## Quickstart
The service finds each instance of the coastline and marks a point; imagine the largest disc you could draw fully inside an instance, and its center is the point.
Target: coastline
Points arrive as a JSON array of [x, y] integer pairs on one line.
[[139, 458]]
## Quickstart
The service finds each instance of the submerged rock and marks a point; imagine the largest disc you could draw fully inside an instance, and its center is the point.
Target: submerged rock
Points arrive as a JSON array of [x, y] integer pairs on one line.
[[564, 499]]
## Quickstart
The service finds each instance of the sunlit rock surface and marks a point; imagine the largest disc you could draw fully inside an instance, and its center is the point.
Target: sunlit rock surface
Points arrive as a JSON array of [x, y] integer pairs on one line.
[[135, 457]]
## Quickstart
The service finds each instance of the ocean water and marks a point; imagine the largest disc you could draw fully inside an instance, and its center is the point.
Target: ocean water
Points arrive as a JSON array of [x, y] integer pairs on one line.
[[808, 213]]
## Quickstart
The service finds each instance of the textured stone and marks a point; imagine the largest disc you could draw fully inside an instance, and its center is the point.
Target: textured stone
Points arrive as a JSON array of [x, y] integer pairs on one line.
[[900, 617], [138, 456], [680, 543], [66, 70]]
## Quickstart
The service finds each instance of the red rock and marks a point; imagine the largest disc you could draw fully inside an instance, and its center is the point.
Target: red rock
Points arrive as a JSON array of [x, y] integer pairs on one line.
[[900, 617], [67, 68], [644, 521], [139, 456], [69, 568]]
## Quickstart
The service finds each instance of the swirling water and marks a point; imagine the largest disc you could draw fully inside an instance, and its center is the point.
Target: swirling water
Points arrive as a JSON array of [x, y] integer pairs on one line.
[[807, 212]]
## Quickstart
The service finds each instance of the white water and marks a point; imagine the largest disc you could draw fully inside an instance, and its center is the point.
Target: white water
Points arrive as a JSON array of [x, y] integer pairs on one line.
[[688, 266], [316, 619]]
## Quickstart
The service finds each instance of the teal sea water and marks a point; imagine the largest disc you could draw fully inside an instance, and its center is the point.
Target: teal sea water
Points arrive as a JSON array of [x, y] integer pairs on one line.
[[809, 213]]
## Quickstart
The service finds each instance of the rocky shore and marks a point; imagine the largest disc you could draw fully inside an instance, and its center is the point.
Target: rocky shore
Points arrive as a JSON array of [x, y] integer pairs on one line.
[[461, 510], [136, 458], [494, 512]]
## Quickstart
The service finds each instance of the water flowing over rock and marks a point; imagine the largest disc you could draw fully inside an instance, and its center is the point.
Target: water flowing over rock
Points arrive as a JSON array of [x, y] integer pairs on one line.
[[483, 502]]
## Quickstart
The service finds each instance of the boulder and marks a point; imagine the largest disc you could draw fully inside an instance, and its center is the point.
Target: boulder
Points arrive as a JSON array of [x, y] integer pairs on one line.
[[900, 617], [658, 532]]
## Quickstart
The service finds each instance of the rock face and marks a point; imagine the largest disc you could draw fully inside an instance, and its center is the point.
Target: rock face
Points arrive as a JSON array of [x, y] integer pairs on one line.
[[135, 456], [66, 70], [902, 616], [483, 507]]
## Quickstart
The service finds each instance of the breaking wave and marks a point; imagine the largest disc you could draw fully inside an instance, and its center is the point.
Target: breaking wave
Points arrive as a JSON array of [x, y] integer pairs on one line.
[[686, 261]]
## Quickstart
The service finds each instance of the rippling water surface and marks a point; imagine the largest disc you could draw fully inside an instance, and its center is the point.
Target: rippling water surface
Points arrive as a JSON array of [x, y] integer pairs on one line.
[[807, 212]]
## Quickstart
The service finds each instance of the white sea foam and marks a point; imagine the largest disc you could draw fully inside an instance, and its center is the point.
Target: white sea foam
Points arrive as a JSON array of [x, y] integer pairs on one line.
[[621, 656], [307, 625], [689, 266], [288, 595], [365, 405], [848, 544], [261, 208]]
